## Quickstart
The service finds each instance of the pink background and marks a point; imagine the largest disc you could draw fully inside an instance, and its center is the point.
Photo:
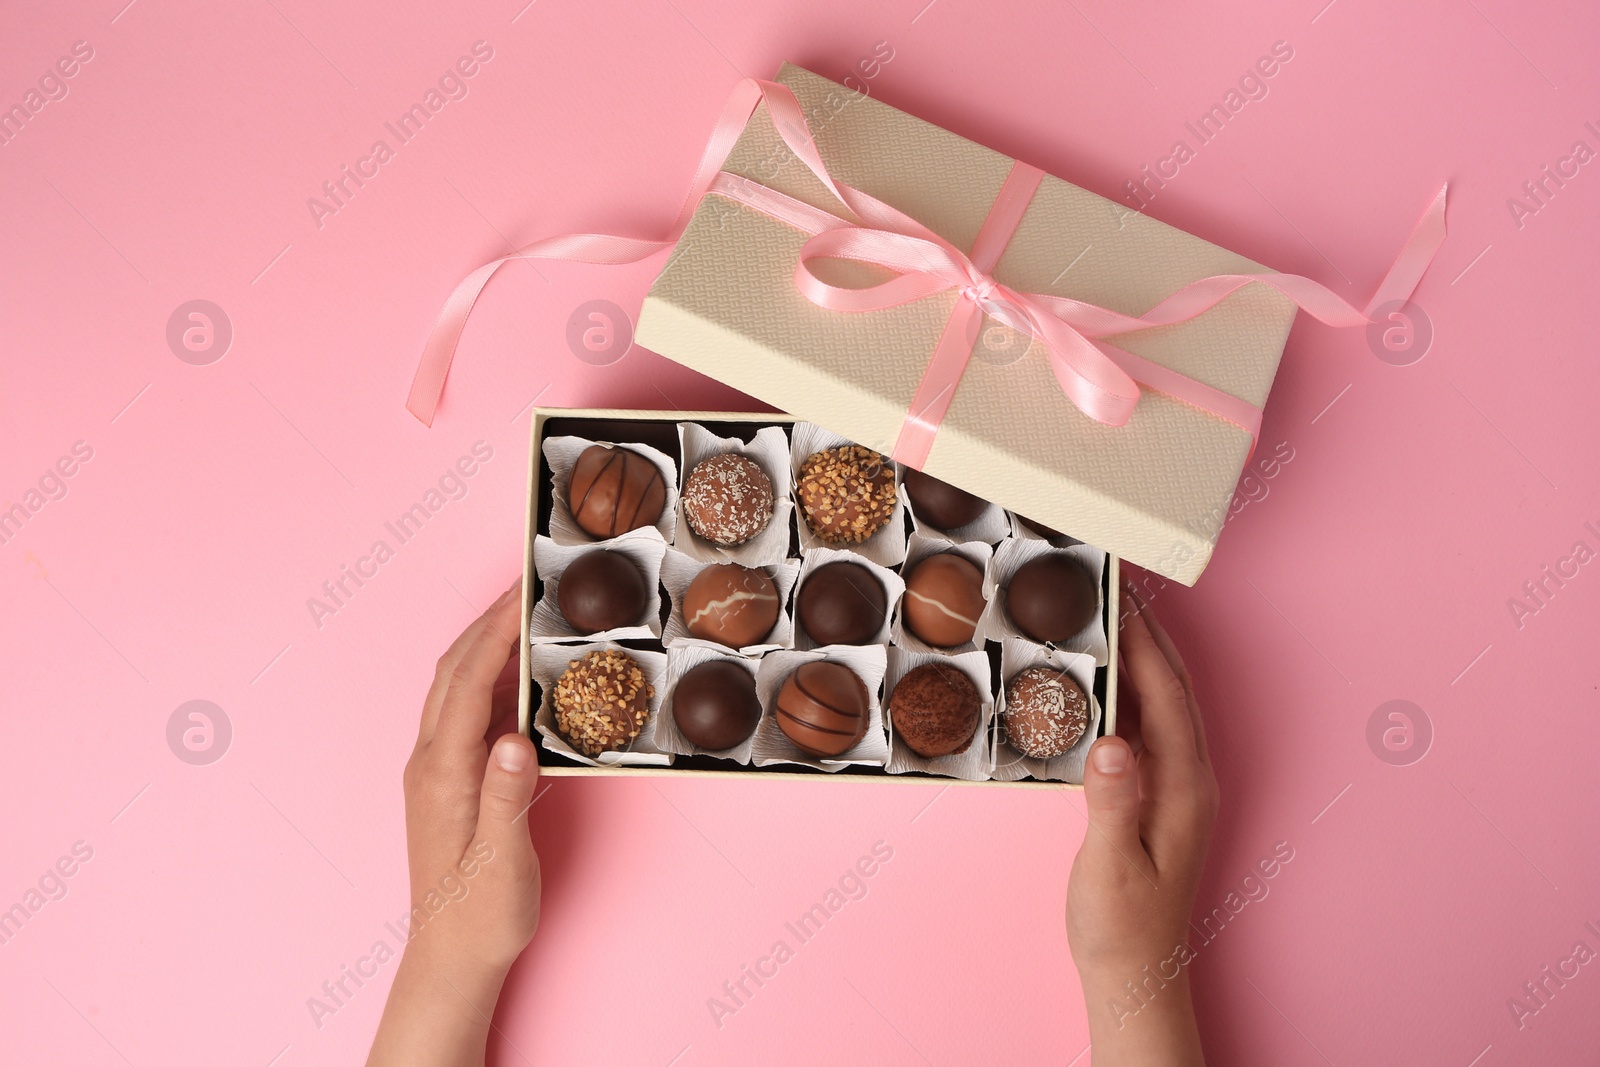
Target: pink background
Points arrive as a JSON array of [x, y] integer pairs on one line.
[[219, 498]]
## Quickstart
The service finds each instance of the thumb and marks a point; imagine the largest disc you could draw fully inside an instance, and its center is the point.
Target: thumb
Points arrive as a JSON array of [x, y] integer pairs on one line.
[[508, 784], [1111, 795]]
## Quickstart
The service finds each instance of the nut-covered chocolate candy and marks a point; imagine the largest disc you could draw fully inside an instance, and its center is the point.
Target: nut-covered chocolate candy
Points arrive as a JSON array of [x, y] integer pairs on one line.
[[1046, 712], [934, 710], [847, 494], [715, 705], [1052, 597], [944, 597], [614, 490], [940, 504], [731, 605], [601, 590], [841, 603], [727, 499], [823, 708], [601, 701]]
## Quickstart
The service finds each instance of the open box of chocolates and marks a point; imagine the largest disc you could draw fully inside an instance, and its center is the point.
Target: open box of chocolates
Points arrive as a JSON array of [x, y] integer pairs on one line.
[[732, 593]]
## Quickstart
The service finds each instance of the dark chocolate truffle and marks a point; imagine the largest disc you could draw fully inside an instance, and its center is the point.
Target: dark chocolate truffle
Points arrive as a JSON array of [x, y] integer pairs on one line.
[[934, 710], [841, 603], [715, 705], [1041, 529], [601, 701], [847, 494], [614, 490], [601, 590], [823, 708], [1051, 597], [727, 499], [1046, 712], [731, 605], [944, 597], [940, 504]]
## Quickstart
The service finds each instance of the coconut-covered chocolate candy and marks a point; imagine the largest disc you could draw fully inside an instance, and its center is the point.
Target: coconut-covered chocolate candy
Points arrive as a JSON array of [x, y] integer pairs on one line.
[[1046, 712], [727, 499]]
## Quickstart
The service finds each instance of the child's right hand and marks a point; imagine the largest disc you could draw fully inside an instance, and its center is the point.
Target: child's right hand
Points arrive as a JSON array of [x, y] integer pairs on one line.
[[1133, 883]]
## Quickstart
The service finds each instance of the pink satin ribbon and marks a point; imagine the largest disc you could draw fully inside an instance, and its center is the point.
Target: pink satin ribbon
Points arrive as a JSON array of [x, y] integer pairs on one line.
[[1101, 380]]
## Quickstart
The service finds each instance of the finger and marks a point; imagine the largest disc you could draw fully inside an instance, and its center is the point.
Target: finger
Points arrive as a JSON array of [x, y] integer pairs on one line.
[[469, 695], [1111, 797], [508, 785], [1175, 660], [1164, 720], [453, 656]]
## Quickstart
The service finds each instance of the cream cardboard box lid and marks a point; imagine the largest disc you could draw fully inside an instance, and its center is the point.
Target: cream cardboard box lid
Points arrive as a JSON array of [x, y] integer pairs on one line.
[[1155, 491]]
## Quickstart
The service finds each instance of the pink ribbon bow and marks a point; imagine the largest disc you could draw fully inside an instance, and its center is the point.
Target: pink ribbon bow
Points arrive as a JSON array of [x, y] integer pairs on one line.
[[1101, 380]]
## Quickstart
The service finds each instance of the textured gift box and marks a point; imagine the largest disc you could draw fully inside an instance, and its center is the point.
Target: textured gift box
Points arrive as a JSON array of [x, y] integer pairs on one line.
[[1154, 491]]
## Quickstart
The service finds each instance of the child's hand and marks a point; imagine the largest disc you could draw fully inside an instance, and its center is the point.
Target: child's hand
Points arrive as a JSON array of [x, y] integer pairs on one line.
[[1133, 883], [474, 874]]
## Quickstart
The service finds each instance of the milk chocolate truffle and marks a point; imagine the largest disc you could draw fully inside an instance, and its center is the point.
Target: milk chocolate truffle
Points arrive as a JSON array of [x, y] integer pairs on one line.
[[1052, 597], [614, 490], [601, 701], [731, 605], [944, 597], [601, 590], [1046, 712], [715, 705], [940, 504], [934, 710], [823, 708], [842, 603], [847, 494], [727, 499]]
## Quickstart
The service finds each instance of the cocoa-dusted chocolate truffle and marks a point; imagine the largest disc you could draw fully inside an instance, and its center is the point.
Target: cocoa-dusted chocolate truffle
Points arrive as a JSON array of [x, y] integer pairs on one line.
[[934, 710], [1052, 597], [940, 504], [731, 605], [601, 590], [715, 705], [944, 597], [614, 490], [823, 708], [847, 494], [1046, 712], [601, 701], [841, 603], [727, 499]]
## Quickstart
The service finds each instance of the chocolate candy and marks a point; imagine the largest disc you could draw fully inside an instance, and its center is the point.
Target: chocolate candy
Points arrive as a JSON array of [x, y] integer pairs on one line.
[[715, 705], [823, 708], [940, 504], [601, 701], [1052, 597], [841, 603], [727, 499], [1041, 529], [731, 605], [944, 597], [934, 710], [1046, 712], [847, 494], [614, 490], [601, 590]]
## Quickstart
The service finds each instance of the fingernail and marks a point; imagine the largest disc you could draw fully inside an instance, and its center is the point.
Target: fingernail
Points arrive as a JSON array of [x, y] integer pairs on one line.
[[512, 757], [505, 598], [1109, 759]]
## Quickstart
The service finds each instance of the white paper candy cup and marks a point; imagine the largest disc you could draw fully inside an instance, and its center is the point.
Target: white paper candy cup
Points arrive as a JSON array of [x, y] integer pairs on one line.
[[551, 560], [1011, 555], [681, 659], [547, 663], [978, 553], [974, 762], [893, 588], [887, 547], [772, 747], [561, 455], [678, 572], [769, 451], [1010, 765]]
